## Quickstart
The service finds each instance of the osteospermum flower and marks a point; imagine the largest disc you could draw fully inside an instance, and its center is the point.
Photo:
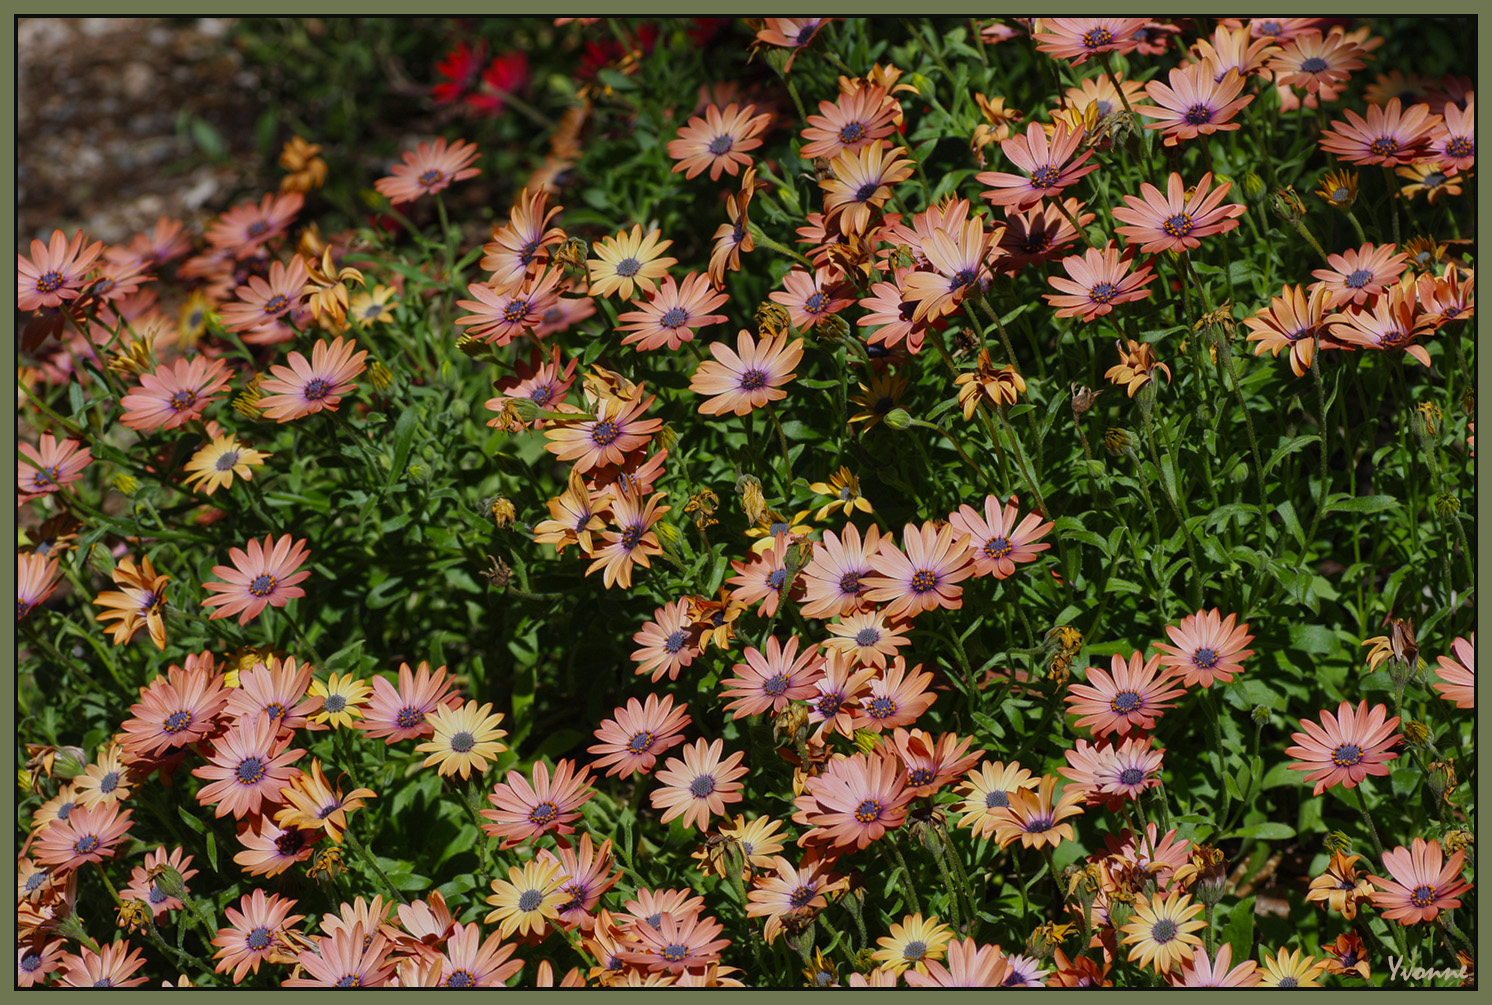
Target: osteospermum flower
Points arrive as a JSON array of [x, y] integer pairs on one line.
[[263, 576], [223, 457], [733, 238], [897, 697], [36, 959], [342, 697], [1430, 178], [528, 900], [912, 943], [867, 638], [312, 803], [1034, 816], [861, 181], [1111, 772], [790, 33], [1358, 274], [617, 430], [56, 271], [1457, 673], [174, 710], [1290, 969], [1392, 322], [1345, 748], [1453, 141], [676, 945], [853, 120], [994, 388], [1176, 221], [932, 761], [253, 937], [795, 894], [636, 734], [139, 602], [1420, 883], [749, 377], [1341, 887], [249, 765], [428, 169], [626, 261], [519, 248], [922, 574], [146, 889], [270, 849], [465, 738], [87, 835], [107, 779], [470, 962], [669, 642], [1131, 696], [836, 704], [1039, 233], [1162, 932], [1292, 320], [501, 314], [632, 542], [264, 301], [854, 801], [48, 466], [403, 713], [987, 791], [1194, 104], [303, 388], [672, 315], [247, 227], [767, 681], [174, 395], [1047, 165], [997, 542], [525, 811], [764, 577], [718, 141], [355, 957], [1206, 647], [1218, 972], [699, 785], [1315, 62], [1100, 280], [1078, 38], [36, 578], [110, 967], [275, 689], [1391, 135]]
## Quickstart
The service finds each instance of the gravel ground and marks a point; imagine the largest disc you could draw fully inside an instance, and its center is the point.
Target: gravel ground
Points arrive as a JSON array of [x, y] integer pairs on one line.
[[98, 103]]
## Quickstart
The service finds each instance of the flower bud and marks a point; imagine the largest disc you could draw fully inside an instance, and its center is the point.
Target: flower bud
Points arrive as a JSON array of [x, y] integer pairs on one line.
[[572, 253], [898, 418], [666, 437], [125, 483], [1260, 715], [168, 878], [417, 473], [1287, 205], [474, 347], [1116, 440], [832, 328], [1447, 505], [24, 780], [865, 740], [1442, 778], [1416, 733], [668, 535], [1457, 840], [1253, 186], [379, 376], [1337, 843], [70, 762], [503, 511], [772, 319], [1425, 421]]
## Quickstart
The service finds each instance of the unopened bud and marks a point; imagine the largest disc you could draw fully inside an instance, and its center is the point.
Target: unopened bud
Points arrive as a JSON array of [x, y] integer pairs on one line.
[[527, 409], [503, 511], [771, 319], [668, 535], [168, 878], [1442, 778], [666, 437], [898, 418], [1447, 505], [417, 473], [1416, 733], [1260, 715], [1253, 186], [1116, 440], [69, 763], [125, 483], [865, 740], [1425, 421], [832, 328], [1287, 205], [24, 780], [380, 376], [1337, 843], [572, 253], [473, 347]]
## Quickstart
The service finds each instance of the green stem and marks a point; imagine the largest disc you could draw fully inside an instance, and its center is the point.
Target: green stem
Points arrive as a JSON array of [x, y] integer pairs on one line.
[[906, 876], [372, 863]]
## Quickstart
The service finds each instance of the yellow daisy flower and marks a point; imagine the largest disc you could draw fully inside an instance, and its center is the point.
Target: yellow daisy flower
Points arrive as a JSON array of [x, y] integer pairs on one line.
[[213, 466], [465, 737], [1161, 932], [528, 900], [775, 523], [1287, 969], [912, 943], [373, 306], [845, 488], [341, 699], [628, 260]]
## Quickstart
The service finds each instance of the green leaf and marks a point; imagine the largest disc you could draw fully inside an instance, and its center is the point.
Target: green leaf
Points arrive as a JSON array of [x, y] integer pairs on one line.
[[404, 431], [1239, 932], [212, 851], [1269, 831], [75, 398], [616, 81], [1360, 504], [210, 141], [191, 819], [1288, 447], [1292, 522], [558, 743]]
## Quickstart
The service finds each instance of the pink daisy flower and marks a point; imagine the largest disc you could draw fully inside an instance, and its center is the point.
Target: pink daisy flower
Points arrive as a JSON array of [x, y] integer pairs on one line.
[[892, 315], [1130, 696], [794, 892], [1038, 234], [110, 967], [1392, 322], [969, 965], [1345, 748], [175, 710], [548, 806], [897, 697], [669, 642], [922, 577], [766, 682], [635, 735], [1207, 648], [854, 120], [49, 466], [174, 395], [1457, 673], [718, 141], [1195, 104], [304, 388], [1360, 273], [763, 577], [1078, 38], [747, 378], [1420, 883], [931, 761], [277, 691], [518, 248], [248, 767], [997, 542], [700, 785], [540, 380], [676, 945], [1047, 164], [855, 801], [36, 578], [810, 299], [672, 314], [861, 182], [632, 542], [256, 928], [1100, 280], [263, 302], [87, 835], [263, 576], [617, 430], [501, 314], [428, 169], [270, 849], [1200, 972], [1453, 141], [836, 705], [867, 637], [36, 959], [1174, 222], [56, 271], [960, 262], [1291, 321], [1389, 136], [403, 713], [146, 890], [1316, 62], [348, 958], [1109, 772], [247, 227], [469, 962], [833, 580]]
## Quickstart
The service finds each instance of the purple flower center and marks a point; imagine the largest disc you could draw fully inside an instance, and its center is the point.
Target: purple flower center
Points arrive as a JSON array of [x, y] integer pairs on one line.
[[529, 900], [721, 145], [30, 962], [997, 798], [605, 433], [628, 267], [1045, 177], [461, 979], [86, 845], [182, 400], [775, 685], [290, 843], [632, 537], [883, 707], [1125, 702], [869, 811], [1163, 931], [675, 317], [1423, 895], [431, 177], [1384, 146], [1179, 225], [1096, 37], [316, 388], [1314, 64], [109, 783], [543, 394], [177, 721], [276, 304], [262, 585], [776, 579], [920, 776], [156, 894], [802, 897], [914, 950], [753, 380], [702, 787], [544, 813], [867, 637], [850, 583], [49, 281], [641, 742], [1103, 293], [249, 771], [226, 461], [1131, 776], [462, 742], [409, 717], [1205, 658], [1460, 146], [866, 192], [348, 981], [829, 705], [675, 953], [49, 475], [1358, 279], [852, 132], [997, 547], [1039, 825], [1198, 115], [674, 642], [1347, 755], [924, 580]]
